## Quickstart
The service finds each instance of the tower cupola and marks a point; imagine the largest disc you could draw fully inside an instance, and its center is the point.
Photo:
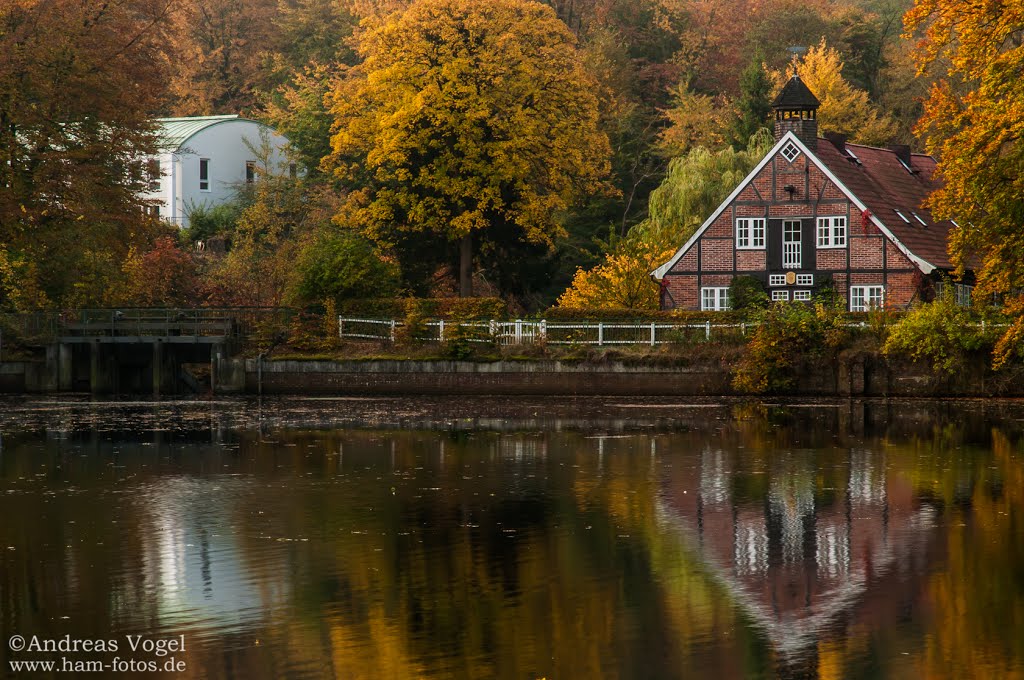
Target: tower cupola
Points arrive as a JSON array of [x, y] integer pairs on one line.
[[796, 109]]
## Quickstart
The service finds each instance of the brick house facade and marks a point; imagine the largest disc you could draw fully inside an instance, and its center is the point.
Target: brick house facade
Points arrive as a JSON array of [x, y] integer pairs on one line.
[[816, 212]]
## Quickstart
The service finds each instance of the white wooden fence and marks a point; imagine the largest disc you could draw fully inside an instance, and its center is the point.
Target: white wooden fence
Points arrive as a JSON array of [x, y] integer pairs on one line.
[[521, 332]]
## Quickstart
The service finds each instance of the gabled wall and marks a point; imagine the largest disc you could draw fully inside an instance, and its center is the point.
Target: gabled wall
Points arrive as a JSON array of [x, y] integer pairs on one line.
[[867, 258]]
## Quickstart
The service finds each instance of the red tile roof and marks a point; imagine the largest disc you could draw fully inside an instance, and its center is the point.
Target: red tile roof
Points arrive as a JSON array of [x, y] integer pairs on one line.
[[884, 184]]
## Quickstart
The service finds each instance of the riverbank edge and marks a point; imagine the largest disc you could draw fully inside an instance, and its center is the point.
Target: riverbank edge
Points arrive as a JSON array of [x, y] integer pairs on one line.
[[844, 375]]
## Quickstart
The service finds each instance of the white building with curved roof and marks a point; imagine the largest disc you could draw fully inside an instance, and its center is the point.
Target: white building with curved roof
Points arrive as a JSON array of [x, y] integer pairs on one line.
[[205, 160]]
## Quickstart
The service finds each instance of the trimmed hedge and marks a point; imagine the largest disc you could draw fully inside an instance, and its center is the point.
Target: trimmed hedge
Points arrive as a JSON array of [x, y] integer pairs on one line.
[[433, 308]]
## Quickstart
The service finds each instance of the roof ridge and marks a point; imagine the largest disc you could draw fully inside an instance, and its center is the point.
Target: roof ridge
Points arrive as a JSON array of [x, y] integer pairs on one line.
[[175, 119]]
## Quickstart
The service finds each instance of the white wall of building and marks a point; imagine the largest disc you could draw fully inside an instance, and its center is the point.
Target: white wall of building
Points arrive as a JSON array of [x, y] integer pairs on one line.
[[227, 145]]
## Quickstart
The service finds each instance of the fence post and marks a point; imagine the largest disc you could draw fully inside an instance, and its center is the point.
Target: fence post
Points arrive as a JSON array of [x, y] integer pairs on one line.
[[743, 328], [440, 330], [544, 330], [652, 334], [392, 330], [492, 327], [707, 329], [600, 333], [519, 332], [341, 327]]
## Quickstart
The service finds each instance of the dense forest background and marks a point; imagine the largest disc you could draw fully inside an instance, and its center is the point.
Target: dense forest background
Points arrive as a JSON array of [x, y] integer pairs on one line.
[[533, 151]]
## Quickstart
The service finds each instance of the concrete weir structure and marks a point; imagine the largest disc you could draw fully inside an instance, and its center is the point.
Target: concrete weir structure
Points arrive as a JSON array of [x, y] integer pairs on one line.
[[126, 351]]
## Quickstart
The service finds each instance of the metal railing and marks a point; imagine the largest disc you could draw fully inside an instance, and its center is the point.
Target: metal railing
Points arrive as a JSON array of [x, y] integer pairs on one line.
[[520, 332], [36, 328]]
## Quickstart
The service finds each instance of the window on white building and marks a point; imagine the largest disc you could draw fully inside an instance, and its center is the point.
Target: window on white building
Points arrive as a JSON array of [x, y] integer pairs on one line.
[[714, 299], [831, 232], [750, 233], [864, 298], [250, 172], [204, 174]]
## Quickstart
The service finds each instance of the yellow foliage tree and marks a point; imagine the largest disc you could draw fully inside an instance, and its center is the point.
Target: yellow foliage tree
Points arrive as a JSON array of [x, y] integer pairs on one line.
[[621, 281], [844, 108], [696, 120], [974, 122], [473, 123]]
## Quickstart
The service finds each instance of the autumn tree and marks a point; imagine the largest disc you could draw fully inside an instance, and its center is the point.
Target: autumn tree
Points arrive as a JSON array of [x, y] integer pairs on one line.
[[844, 108], [469, 122], [973, 123], [165, 276], [78, 80], [621, 281], [220, 52]]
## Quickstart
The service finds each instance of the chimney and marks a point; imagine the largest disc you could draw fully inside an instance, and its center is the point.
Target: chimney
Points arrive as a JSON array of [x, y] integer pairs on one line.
[[838, 140], [796, 110], [902, 152]]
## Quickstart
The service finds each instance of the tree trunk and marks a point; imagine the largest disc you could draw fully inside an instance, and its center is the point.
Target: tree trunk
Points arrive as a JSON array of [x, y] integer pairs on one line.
[[466, 266]]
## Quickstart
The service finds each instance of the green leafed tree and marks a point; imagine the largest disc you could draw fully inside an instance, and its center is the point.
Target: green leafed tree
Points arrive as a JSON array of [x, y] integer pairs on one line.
[[694, 186], [470, 122]]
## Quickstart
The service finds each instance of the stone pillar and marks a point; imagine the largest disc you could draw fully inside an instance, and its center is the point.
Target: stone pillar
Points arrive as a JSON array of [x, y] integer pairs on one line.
[[65, 368], [96, 377], [158, 367]]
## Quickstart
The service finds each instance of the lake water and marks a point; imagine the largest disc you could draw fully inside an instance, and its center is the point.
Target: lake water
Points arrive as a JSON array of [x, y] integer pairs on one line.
[[499, 538]]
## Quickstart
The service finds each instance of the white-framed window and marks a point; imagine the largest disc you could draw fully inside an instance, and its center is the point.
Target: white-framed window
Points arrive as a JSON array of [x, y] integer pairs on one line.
[[901, 215], [831, 232], [780, 295], [250, 172], [790, 152], [801, 295], [863, 298], [776, 279], [750, 233], [805, 279], [204, 174], [714, 299], [791, 242]]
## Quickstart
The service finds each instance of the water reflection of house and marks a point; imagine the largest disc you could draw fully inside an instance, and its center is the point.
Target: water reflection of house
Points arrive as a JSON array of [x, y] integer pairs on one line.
[[796, 555]]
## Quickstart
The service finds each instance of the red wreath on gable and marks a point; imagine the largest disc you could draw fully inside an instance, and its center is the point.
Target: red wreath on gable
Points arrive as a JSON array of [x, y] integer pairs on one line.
[[865, 221]]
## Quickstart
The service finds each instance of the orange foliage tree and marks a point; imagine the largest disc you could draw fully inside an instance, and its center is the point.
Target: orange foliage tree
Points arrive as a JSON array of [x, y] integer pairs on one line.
[[974, 123]]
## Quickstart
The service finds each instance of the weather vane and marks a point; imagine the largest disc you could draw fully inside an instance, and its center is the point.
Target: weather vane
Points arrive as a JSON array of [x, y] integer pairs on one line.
[[796, 51]]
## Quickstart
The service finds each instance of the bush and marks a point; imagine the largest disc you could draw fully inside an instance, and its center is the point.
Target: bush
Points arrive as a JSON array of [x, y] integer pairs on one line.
[[787, 332], [941, 333], [747, 294], [339, 265]]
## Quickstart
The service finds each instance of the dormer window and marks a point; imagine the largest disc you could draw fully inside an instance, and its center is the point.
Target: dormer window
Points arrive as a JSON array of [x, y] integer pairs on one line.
[[790, 152]]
